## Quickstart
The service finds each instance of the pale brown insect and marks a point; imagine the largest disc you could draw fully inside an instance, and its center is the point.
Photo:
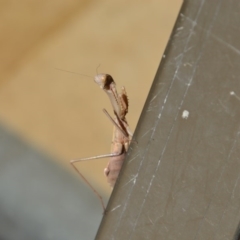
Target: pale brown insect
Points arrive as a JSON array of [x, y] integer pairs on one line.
[[121, 133]]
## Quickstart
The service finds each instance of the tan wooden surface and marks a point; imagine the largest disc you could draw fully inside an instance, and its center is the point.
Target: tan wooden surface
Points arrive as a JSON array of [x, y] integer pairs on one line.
[[59, 112]]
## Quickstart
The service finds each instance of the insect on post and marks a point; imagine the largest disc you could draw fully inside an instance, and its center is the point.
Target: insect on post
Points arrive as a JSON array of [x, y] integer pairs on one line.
[[122, 135]]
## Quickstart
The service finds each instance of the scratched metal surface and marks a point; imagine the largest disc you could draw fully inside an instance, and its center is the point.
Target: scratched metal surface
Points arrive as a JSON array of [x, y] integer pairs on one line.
[[181, 180]]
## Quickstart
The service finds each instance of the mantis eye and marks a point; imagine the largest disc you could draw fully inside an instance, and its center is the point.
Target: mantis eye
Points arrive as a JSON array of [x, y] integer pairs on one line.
[[104, 80], [106, 171]]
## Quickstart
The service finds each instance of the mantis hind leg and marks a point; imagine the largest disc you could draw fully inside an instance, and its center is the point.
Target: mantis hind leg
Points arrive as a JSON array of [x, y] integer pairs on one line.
[[74, 161]]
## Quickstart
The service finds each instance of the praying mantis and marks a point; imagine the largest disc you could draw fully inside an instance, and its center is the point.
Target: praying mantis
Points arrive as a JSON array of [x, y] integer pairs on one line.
[[122, 135]]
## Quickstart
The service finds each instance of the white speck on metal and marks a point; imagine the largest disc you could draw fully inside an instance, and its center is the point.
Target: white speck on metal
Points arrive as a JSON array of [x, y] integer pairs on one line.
[[185, 114]]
